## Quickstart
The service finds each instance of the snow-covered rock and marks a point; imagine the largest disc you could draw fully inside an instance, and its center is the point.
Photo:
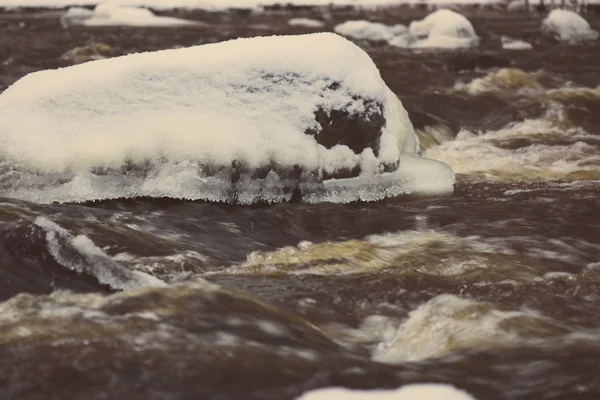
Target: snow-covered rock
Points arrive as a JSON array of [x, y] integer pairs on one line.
[[240, 121], [306, 23], [567, 26], [428, 391], [444, 29], [441, 29], [514, 44], [110, 15], [366, 30]]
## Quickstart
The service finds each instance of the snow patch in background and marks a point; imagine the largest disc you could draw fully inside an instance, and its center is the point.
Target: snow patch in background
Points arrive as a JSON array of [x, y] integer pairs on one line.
[[306, 23], [442, 29], [514, 44], [216, 5], [373, 31], [116, 15], [428, 391]]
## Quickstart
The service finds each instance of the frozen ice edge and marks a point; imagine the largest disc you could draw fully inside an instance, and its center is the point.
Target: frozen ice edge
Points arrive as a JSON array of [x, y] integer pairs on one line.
[[342, 191], [415, 176]]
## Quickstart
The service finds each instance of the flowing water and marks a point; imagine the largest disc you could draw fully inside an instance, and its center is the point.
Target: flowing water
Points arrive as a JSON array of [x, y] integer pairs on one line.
[[494, 289]]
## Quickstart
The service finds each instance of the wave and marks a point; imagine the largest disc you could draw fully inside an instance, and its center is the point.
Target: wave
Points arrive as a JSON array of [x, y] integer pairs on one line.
[[80, 254], [434, 253], [513, 82]]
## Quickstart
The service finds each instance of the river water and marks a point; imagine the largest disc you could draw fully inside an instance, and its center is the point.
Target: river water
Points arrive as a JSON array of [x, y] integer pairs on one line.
[[494, 289]]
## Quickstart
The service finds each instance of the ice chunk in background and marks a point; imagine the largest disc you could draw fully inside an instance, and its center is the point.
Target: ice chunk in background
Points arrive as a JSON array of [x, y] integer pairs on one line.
[[75, 16], [108, 14], [514, 44], [306, 23], [366, 30], [567, 26], [422, 391], [239, 121], [442, 29]]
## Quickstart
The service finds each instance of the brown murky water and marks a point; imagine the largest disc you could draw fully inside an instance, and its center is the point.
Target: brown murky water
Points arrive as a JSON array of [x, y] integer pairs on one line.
[[495, 289]]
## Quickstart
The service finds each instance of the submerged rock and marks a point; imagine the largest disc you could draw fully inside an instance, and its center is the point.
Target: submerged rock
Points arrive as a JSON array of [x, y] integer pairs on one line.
[[431, 129], [88, 52], [464, 61]]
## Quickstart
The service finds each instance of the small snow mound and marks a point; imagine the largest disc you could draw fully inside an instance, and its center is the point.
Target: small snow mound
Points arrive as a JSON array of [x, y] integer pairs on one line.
[[306, 23], [441, 29], [113, 14], [428, 391], [567, 26], [215, 123], [514, 44], [366, 30]]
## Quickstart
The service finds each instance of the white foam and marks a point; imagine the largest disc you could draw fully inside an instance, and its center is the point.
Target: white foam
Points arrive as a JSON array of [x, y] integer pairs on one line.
[[568, 26], [366, 30], [108, 14], [441, 29], [167, 268], [514, 44], [449, 323], [511, 80], [428, 391], [306, 23], [169, 114], [480, 154], [80, 254], [454, 256]]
